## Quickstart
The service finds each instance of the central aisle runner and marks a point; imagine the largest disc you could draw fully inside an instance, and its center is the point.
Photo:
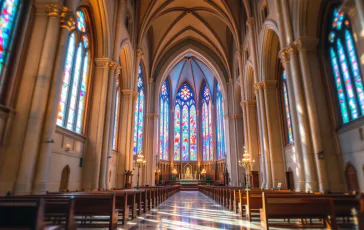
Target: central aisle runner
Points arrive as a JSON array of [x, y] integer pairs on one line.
[[190, 210]]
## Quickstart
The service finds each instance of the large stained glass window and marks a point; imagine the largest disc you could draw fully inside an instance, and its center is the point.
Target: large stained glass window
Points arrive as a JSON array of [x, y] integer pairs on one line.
[[164, 122], [220, 125], [207, 153], [345, 67], [139, 116], [287, 110], [72, 104], [185, 125], [116, 119], [9, 12]]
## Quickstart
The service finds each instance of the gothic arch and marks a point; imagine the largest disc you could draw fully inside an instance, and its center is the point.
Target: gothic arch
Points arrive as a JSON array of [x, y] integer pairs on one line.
[[351, 178], [126, 63], [65, 176]]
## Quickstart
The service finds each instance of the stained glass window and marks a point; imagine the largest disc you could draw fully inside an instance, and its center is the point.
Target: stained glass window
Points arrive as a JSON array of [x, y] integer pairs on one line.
[[206, 126], [9, 12], [139, 116], [287, 110], [71, 110], [220, 125], [116, 119], [345, 67], [185, 125], [164, 122]]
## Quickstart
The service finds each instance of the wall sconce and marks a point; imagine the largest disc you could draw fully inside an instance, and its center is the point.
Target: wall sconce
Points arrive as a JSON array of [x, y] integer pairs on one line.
[[68, 147]]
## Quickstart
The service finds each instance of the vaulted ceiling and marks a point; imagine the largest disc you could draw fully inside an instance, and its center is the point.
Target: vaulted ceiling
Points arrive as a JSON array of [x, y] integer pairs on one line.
[[211, 23]]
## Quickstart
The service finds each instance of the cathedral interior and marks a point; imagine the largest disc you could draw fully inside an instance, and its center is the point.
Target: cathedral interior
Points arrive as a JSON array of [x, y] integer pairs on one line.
[[100, 95]]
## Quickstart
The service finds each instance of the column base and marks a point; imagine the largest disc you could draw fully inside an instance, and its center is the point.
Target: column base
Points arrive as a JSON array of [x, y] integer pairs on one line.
[[23, 189], [312, 186], [40, 188], [300, 186]]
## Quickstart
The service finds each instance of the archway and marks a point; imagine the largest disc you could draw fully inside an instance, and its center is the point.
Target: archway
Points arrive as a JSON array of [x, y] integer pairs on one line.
[[65, 179], [351, 178]]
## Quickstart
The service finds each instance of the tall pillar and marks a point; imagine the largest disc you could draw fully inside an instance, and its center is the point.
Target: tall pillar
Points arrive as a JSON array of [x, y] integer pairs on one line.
[[37, 110], [96, 124], [127, 103], [304, 129], [265, 138], [305, 45], [42, 170], [108, 120], [274, 132], [150, 156]]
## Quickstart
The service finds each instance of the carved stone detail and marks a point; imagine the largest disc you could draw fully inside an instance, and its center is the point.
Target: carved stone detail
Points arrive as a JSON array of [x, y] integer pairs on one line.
[[68, 19], [306, 43]]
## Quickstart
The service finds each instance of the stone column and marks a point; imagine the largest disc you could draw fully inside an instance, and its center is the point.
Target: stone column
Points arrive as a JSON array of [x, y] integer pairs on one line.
[[96, 123], [304, 129], [150, 156], [42, 170], [265, 138], [127, 104], [250, 23], [274, 132], [304, 46], [38, 106], [106, 143]]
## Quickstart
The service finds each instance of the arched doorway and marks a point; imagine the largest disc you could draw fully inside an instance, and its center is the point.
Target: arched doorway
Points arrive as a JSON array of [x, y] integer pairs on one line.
[[351, 178], [65, 179]]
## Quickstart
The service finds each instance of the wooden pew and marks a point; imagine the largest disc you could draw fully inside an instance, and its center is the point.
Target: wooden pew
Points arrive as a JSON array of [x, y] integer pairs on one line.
[[297, 207], [58, 212], [20, 214]]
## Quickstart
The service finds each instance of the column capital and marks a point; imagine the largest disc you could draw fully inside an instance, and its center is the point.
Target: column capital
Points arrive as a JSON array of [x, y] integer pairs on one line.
[[258, 85], [306, 43], [249, 102], [152, 115], [350, 7], [284, 56], [68, 19], [51, 9], [237, 116], [250, 22], [129, 93], [269, 84], [140, 53], [106, 63]]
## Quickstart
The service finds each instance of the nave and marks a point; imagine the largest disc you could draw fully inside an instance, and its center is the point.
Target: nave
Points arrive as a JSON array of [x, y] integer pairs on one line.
[[190, 210]]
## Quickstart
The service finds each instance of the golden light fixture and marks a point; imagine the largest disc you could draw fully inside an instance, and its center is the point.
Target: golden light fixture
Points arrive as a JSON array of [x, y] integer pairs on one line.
[[247, 164], [140, 162]]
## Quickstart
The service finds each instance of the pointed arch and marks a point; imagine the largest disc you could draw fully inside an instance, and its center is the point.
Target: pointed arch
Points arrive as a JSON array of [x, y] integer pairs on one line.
[[65, 176], [206, 123], [164, 109], [139, 115]]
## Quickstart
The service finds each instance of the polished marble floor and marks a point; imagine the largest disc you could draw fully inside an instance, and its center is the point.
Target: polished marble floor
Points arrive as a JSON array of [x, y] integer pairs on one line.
[[190, 210]]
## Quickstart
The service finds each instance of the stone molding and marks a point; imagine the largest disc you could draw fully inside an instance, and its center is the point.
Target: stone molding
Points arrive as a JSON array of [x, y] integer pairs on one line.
[[306, 43], [129, 93], [237, 116], [250, 22], [106, 63], [152, 115], [140, 53], [248, 102], [266, 84], [68, 19], [50, 9]]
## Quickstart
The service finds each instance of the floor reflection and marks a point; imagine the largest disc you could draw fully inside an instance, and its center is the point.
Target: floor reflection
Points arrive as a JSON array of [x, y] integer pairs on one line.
[[190, 210]]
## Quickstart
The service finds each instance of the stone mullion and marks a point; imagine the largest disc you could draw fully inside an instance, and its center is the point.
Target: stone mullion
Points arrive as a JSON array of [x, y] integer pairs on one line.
[[37, 111], [41, 177]]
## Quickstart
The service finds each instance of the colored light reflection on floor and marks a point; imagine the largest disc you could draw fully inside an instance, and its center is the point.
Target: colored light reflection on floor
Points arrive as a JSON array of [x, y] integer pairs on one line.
[[190, 210]]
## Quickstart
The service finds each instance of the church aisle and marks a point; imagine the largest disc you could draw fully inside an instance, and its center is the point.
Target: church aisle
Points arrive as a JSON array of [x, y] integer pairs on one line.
[[190, 210]]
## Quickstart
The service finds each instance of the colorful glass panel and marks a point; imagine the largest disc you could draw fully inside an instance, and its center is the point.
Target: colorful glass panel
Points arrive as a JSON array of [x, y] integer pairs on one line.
[[74, 90], [82, 93], [66, 81], [207, 154], [220, 127], [164, 123], [8, 15], [187, 126], [177, 133], [185, 134], [345, 67], [355, 69], [81, 21], [116, 120], [287, 109], [139, 117], [193, 134]]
